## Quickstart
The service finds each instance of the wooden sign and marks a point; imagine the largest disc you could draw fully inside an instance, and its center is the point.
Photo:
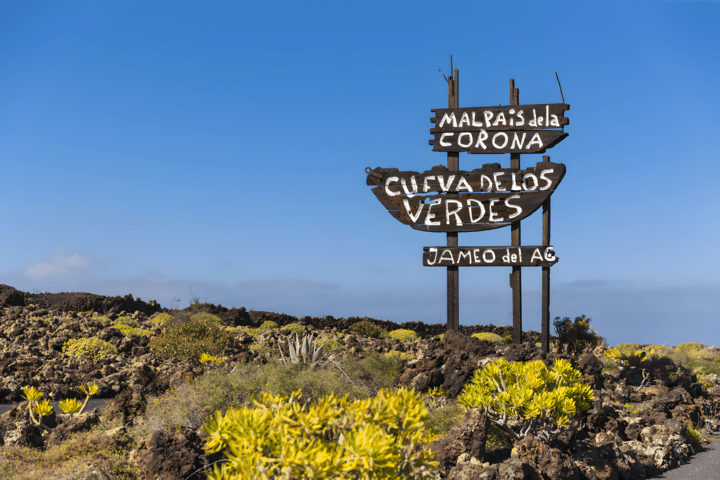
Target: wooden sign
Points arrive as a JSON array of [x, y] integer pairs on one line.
[[482, 199], [525, 256], [501, 129]]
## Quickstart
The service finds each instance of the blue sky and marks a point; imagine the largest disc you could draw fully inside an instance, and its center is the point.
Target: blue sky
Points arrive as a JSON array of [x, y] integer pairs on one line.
[[217, 150]]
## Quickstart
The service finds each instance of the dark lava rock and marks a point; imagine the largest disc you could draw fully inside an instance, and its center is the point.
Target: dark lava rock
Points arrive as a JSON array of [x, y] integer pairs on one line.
[[176, 455], [467, 436]]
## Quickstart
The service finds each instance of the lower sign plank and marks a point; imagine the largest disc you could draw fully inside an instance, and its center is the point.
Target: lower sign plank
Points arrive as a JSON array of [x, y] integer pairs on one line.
[[497, 142], [524, 256]]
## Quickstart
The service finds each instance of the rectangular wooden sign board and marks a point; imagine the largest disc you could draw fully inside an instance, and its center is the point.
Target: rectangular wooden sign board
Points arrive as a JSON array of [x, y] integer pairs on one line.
[[525, 256], [508, 117], [536, 141]]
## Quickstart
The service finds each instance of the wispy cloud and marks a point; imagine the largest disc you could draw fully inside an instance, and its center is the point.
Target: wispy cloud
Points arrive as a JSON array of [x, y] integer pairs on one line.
[[621, 311]]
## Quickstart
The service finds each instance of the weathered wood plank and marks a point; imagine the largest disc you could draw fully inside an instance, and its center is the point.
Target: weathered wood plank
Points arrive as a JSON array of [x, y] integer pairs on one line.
[[482, 141], [525, 256], [490, 178], [483, 199], [494, 118]]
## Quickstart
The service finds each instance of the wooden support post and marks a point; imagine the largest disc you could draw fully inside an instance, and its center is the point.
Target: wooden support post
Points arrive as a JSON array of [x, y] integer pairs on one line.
[[516, 275], [545, 333], [453, 163]]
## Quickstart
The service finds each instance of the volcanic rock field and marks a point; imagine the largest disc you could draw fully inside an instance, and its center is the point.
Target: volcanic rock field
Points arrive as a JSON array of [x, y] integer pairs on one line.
[[643, 421]]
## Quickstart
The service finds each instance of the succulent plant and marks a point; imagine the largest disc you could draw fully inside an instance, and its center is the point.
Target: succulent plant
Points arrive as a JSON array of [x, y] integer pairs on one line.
[[305, 351]]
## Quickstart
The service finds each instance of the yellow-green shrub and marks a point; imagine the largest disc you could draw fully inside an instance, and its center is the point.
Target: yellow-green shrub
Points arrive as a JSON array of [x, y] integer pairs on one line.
[[208, 317], [127, 330], [631, 359], [399, 355], [268, 325], [490, 337], [162, 319], [91, 348], [129, 321], [536, 400], [103, 320], [295, 328], [368, 329], [191, 339], [250, 330], [404, 335], [332, 345], [379, 438]]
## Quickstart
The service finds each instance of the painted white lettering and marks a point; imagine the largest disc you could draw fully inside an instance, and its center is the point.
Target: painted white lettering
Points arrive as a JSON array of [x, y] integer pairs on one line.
[[449, 118], [465, 119], [540, 121], [510, 205], [464, 254], [426, 187], [543, 177], [413, 217], [533, 122], [474, 123], [442, 139], [506, 258], [445, 187], [469, 136], [554, 121], [497, 182], [517, 141], [449, 256], [476, 251], [488, 116], [481, 138], [535, 139], [413, 183], [492, 256], [515, 187], [492, 214], [389, 192], [480, 206], [429, 217], [549, 254], [483, 179], [536, 255], [500, 118], [547, 115], [504, 135], [521, 120], [463, 185], [448, 213], [534, 179], [431, 251]]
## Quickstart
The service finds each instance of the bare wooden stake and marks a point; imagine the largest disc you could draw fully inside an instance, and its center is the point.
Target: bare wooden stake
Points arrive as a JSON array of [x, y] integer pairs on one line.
[[516, 275], [453, 163]]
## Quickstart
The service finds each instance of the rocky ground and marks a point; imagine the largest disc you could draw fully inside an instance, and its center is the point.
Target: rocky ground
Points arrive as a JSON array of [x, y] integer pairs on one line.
[[633, 430]]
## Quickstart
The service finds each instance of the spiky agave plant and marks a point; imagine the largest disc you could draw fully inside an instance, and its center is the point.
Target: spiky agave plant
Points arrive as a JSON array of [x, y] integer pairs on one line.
[[305, 351]]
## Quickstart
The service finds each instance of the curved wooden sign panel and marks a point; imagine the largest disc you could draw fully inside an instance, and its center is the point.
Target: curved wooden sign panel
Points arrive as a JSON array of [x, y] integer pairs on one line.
[[482, 199]]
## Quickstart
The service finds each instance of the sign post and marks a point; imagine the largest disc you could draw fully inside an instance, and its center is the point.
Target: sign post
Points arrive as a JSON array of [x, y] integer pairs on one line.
[[450, 200]]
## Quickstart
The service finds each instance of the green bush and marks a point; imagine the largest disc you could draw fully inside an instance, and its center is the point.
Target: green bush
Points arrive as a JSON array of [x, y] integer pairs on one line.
[[526, 398], [332, 345], [162, 319], [575, 336], [127, 330], [508, 339], [268, 325], [295, 328], [208, 317], [490, 337], [191, 339], [404, 335], [368, 329], [375, 438], [91, 348], [129, 321]]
